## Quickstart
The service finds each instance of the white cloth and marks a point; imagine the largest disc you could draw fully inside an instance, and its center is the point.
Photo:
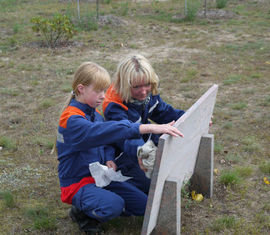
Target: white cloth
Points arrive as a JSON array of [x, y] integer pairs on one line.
[[147, 153], [104, 175]]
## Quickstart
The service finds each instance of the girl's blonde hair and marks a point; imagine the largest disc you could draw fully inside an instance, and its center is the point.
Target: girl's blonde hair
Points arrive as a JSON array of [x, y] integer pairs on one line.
[[88, 73], [131, 71]]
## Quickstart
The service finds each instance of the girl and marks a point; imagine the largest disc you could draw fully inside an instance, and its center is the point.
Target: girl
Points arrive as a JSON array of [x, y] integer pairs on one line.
[[134, 96], [84, 138]]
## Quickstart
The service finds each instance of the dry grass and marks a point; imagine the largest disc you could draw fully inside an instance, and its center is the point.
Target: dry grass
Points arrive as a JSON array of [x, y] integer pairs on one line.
[[188, 57]]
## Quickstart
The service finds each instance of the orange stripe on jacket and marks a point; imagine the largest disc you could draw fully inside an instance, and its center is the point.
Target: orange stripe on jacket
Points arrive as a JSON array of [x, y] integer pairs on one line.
[[112, 96], [68, 112], [67, 193]]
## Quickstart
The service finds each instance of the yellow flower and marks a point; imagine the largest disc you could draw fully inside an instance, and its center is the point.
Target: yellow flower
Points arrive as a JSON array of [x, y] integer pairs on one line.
[[266, 180], [216, 171], [196, 197]]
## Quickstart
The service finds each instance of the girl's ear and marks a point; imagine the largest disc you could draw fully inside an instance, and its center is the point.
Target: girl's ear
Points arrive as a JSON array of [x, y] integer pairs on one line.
[[80, 88]]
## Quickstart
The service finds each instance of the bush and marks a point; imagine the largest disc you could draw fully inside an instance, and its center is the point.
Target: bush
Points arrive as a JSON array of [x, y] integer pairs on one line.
[[221, 3], [191, 11], [55, 31]]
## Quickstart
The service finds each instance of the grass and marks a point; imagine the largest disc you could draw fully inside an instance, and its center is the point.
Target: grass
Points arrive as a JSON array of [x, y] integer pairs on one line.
[[188, 56], [223, 223], [8, 199], [41, 218], [7, 143], [229, 178]]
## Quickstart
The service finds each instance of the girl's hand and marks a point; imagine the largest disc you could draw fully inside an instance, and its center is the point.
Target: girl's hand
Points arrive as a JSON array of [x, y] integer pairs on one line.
[[211, 121], [141, 164], [111, 164], [161, 129]]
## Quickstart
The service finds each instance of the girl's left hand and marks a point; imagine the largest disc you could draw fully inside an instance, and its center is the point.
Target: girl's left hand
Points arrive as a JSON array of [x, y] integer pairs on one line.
[[111, 164]]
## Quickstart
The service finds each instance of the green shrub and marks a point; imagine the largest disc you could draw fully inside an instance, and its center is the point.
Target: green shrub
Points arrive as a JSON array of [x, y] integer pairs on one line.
[[87, 22], [191, 11], [55, 31], [221, 4]]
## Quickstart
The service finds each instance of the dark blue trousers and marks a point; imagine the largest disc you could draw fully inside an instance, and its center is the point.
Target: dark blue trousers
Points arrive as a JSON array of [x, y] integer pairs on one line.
[[132, 169], [111, 201]]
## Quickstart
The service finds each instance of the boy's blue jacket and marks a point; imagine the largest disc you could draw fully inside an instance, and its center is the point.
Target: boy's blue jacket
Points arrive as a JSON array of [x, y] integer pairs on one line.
[[156, 110], [83, 137]]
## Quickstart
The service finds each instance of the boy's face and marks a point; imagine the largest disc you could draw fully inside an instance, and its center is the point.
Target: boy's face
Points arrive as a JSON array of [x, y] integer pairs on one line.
[[90, 96], [141, 90]]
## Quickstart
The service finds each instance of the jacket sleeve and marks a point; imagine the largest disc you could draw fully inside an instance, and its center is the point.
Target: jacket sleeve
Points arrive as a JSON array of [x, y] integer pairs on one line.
[[115, 112], [109, 153], [129, 146], [165, 113], [84, 134]]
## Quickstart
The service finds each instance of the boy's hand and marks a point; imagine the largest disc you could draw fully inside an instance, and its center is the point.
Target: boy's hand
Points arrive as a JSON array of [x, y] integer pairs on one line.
[[111, 164]]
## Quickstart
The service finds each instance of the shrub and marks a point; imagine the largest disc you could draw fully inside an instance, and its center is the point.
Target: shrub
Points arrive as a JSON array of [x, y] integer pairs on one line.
[[191, 11], [55, 31], [221, 4]]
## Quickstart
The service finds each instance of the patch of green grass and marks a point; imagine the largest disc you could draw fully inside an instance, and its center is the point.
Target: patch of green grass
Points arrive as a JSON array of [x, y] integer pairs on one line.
[[256, 76], [238, 106], [42, 141], [243, 172], [265, 167], [41, 218], [266, 101], [233, 158], [7, 143], [229, 178], [266, 207], [47, 103], [190, 75], [66, 87], [232, 79], [222, 223], [228, 125], [8, 5], [9, 91], [263, 219], [8, 199], [250, 144], [218, 148]]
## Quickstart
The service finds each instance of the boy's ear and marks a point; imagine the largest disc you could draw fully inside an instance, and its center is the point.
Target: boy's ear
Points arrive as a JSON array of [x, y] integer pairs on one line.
[[80, 88]]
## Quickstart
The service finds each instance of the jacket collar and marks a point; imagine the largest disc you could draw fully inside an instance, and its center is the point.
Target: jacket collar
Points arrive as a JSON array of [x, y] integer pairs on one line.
[[84, 107]]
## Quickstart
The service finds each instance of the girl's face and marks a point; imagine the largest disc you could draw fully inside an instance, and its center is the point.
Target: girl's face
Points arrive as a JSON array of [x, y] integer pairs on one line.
[[141, 90], [89, 96]]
